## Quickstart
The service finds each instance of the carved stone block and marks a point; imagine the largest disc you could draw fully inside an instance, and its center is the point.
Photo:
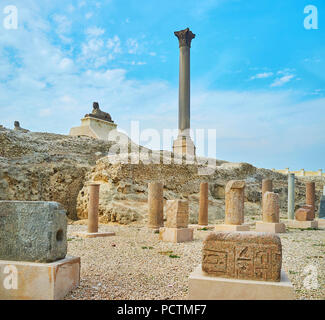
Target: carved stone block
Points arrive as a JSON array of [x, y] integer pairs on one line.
[[243, 255]]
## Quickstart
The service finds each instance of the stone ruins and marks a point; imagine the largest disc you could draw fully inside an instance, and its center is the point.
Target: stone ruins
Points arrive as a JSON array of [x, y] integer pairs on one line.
[[305, 215], [93, 208], [243, 255], [33, 248], [155, 205], [270, 214], [204, 204], [176, 228], [234, 207], [240, 265]]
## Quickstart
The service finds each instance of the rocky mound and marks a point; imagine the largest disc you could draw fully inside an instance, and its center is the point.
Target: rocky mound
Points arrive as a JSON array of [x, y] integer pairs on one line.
[[51, 167]]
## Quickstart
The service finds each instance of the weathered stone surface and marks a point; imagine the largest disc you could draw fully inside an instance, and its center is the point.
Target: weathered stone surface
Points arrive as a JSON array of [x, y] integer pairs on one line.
[[243, 255], [304, 214], [271, 207], [32, 231], [235, 202], [177, 213]]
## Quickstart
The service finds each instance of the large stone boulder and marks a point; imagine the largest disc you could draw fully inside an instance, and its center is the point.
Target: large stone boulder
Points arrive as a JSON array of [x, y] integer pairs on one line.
[[32, 231]]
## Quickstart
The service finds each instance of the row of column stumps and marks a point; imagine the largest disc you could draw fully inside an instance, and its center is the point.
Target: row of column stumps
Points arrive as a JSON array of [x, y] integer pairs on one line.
[[234, 202], [156, 205]]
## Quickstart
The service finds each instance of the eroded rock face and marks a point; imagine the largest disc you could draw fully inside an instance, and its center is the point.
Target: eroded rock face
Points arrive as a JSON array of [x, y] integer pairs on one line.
[[243, 255], [52, 167]]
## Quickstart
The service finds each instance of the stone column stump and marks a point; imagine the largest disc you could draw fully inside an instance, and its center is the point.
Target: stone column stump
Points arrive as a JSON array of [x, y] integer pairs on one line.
[[271, 215], [234, 208], [176, 229]]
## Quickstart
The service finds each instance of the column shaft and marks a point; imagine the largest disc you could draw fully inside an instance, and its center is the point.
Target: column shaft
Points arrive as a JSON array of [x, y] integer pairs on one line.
[[93, 208], [184, 89], [291, 196], [204, 204]]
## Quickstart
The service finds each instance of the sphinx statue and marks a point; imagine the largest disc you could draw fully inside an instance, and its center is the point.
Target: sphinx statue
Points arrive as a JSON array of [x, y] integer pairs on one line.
[[99, 114], [18, 128]]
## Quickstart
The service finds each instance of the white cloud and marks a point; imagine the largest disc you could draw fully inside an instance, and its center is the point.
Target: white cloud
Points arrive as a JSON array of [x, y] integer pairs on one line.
[[63, 24], [88, 15], [94, 32], [281, 81], [132, 45], [262, 75]]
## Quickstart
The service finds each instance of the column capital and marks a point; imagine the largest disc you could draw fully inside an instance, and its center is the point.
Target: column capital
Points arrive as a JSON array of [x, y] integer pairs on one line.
[[185, 37]]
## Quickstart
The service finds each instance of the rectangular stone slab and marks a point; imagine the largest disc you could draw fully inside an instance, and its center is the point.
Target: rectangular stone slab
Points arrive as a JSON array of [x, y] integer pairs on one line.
[[243, 255], [34, 231], [205, 287], [38, 281]]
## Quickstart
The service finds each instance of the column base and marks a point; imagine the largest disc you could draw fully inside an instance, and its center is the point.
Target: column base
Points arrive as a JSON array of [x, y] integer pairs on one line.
[[270, 227], [302, 224], [84, 234], [39, 281], [231, 227], [321, 223], [176, 235], [205, 287], [184, 145]]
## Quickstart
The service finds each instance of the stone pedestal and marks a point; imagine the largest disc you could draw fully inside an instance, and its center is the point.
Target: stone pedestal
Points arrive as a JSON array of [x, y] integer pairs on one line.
[[231, 227], [205, 287], [38, 281], [176, 234], [321, 223], [302, 224], [94, 128], [270, 227], [184, 145]]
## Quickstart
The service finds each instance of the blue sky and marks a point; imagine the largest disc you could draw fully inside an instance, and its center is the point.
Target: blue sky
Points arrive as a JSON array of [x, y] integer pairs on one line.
[[257, 75]]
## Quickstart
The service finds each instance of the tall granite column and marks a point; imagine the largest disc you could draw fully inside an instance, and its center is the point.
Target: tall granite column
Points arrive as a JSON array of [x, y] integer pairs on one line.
[[93, 208], [310, 196], [184, 144], [291, 196]]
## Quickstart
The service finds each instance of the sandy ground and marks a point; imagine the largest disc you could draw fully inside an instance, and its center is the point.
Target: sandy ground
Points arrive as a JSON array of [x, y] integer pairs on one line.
[[134, 264]]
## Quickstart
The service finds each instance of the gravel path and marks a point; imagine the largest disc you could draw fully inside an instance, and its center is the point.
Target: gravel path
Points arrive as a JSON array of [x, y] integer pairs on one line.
[[134, 264]]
